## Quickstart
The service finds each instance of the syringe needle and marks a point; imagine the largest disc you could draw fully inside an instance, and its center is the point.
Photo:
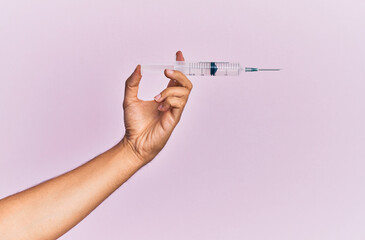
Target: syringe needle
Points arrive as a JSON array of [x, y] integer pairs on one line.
[[269, 69], [251, 69]]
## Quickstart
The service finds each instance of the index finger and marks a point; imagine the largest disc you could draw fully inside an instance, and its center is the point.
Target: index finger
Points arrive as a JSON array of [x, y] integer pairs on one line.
[[179, 57], [179, 77]]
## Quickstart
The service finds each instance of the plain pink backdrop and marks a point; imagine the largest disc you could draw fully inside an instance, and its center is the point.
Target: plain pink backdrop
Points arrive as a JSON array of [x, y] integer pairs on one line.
[[274, 156]]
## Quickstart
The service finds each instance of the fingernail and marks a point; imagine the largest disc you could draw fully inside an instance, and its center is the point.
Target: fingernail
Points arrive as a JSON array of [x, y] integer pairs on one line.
[[169, 71], [157, 97], [160, 107]]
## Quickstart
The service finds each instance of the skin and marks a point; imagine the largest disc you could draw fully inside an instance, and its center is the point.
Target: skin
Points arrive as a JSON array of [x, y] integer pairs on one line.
[[50, 209]]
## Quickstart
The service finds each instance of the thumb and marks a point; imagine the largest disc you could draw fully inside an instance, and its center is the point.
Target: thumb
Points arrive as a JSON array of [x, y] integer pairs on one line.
[[131, 85]]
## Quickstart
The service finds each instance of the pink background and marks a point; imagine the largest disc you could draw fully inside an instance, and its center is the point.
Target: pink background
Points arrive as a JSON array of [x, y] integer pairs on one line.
[[261, 156]]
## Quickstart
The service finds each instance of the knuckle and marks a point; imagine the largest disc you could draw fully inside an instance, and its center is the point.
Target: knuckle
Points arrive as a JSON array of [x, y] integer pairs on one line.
[[182, 103], [125, 104], [190, 84], [167, 105], [129, 83], [186, 91], [168, 101], [163, 94]]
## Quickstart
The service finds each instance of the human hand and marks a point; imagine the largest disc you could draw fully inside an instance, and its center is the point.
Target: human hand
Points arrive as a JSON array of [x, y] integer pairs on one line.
[[149, 124]]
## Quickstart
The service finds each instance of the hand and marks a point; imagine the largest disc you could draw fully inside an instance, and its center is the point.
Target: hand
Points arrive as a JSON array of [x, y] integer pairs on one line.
[[149, 124]]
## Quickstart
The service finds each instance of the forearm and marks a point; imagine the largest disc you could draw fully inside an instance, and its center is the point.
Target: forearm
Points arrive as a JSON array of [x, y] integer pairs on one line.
[[50, 209]]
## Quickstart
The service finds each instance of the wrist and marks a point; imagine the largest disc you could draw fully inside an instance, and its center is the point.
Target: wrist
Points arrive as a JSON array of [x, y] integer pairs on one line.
[[127, 151]]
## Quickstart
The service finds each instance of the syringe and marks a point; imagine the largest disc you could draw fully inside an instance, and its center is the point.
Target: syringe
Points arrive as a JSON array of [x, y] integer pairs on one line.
[[206, 68]]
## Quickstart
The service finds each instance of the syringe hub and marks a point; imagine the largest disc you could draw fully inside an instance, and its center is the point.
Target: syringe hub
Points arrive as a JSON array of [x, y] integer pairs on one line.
[[251, 69]]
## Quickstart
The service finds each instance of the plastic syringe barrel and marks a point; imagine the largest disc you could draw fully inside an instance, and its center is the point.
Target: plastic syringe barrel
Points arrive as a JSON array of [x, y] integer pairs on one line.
[[208, 68]]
